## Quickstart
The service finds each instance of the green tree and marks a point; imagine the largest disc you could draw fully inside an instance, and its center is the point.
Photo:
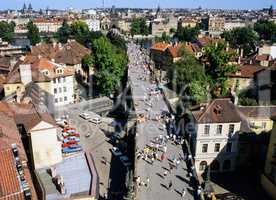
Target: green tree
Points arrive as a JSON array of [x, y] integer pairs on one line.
[[244, 37], [187, 77], [64, 32], [139, 27], [7, 30], [80, 31], [117, 40], [33, 33], [110, 66], [266, 30], [164, 38], [87, 63], [218, 65], [187, 34]]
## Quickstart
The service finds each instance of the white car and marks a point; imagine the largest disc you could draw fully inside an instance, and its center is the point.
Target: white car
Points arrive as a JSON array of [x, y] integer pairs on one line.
[[116, 151], [125, 161], [95, 120], [61, 122], [85, 116]]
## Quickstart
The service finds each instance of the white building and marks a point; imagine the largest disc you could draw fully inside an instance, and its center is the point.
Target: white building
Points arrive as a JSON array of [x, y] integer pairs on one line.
[[93, 24], [48, 26], [215, 140], [232, 24]]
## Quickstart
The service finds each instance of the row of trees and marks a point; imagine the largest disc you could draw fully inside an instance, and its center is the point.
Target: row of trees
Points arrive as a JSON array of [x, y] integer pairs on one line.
[[109, 60], [188, 77]]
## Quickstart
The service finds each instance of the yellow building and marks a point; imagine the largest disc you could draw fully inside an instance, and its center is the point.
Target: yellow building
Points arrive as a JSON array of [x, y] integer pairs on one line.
[[258, 118], [268, 179]]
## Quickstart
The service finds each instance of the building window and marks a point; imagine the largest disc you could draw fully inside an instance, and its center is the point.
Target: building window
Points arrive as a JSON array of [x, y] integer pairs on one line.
[[226, 165], [231, 130], [229, 147], [60, 90], [202, 165], [55, 80], [206, 129], [215, 166], [55, 90], [64, 79], [65, 98], [264, 125], [219, 129], [56, 100], [64, 89], [59, 80], [204, 148], [60, 99], [217, 147]]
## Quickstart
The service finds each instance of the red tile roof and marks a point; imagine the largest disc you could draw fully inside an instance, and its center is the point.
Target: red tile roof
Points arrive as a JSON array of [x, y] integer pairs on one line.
[[218, 111], [9, 181], [71, 53], [263, 57], [175, 50], [160, 46], [247, 71]]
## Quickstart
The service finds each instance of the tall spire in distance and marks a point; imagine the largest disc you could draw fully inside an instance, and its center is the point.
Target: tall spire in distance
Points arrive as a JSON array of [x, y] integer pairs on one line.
[[24, 8]]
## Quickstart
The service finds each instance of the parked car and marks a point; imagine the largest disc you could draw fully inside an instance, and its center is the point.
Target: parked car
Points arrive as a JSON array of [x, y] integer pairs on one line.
[[67, 144], [77, 139], [66, 135], [116, 151], [68, 129], [85, 116], [61, 122], [125, 161], [73, 148], [95, 120]]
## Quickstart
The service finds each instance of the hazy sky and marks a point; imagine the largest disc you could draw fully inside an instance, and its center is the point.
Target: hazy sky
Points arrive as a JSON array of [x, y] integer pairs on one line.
[[63, 4]]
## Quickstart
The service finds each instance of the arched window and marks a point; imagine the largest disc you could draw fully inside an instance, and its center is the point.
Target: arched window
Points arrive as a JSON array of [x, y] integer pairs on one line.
[[215, 166], [202, 165], [227, 165]]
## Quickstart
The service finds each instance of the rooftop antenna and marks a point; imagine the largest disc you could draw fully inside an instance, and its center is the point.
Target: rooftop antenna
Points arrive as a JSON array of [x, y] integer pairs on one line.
[[103, 4]]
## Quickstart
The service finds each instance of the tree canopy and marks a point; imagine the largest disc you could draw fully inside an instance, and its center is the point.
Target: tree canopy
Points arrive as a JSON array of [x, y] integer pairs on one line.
[[187, 77], [7, 30], [64, 32], [244, 37], [164, 38], [80, 31], [139, 27], [187, 34], [218, 65], [110, 66], [266, 30], [33, 33]]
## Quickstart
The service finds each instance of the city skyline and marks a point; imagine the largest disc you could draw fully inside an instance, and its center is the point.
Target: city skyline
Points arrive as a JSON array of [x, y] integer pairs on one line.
[[209, 4]]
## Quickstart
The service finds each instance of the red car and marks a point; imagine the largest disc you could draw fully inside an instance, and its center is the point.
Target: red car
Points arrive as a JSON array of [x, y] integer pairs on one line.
[[71, 134], [69, 129], [68, 144]]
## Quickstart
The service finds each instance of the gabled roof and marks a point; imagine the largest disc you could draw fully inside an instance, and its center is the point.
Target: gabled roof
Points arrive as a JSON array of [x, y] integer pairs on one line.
[[174, 50], [246, 71], [258, 111], [218, 111], [160, 46]]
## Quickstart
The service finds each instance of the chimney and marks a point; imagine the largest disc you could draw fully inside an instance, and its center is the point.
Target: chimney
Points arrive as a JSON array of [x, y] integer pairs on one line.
[[59, 45], [54, 44], [53, 60], [241, 53], [39, 56], [25, 74], [227, 46], [53, 172]]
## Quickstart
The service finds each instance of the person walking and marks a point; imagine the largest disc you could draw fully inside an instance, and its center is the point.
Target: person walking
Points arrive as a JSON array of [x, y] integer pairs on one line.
[[165, 173], [170, 186], [147, 182], [183, 193], [162, 156]]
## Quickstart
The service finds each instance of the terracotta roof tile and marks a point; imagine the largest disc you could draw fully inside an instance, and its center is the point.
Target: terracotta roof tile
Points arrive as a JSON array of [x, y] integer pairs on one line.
[[263, 57], [160, 46], [9, 182], [218, 111], [247, 71]]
